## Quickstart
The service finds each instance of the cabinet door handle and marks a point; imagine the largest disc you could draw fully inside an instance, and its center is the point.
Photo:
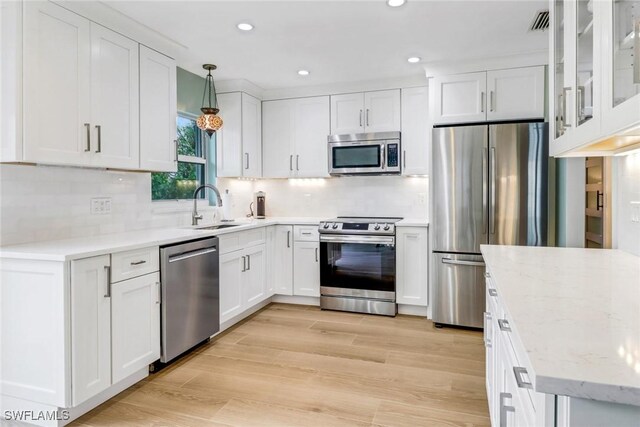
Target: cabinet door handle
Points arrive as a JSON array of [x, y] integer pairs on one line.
[[522, 377], [297, 162], [482, 102], [248, 262], [360, 118], [493, 292], [142, 261], [316, 254], [487, 274], [291, 162], [404, 159], [504, 408], [491, 101], [565, 123], [99, 129], [288, 239], [158, 295], [244, 263], [175, 142], [504, 325], [107, 270], [247, 158], [367, 117], [88, 128]]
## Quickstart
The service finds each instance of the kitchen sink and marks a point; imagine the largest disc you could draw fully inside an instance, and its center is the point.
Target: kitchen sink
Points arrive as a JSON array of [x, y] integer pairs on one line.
[[217, 227]]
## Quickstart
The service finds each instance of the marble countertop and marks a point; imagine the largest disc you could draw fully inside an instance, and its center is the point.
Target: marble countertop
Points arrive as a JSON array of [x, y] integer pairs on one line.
[[576, 312], [69, 249], [413, 222]]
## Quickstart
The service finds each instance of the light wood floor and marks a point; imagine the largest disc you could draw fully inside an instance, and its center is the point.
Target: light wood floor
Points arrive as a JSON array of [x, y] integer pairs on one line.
[[291, 365]]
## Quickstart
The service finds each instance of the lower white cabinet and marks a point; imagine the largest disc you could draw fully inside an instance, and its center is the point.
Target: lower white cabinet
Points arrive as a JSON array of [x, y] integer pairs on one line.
[[90, 327], [412, 274], [306, 268], [242, 280], [135, 324], [280, 259]]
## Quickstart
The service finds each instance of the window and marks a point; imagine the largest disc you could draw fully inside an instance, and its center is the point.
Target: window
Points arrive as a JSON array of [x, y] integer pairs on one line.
[[194, 168]]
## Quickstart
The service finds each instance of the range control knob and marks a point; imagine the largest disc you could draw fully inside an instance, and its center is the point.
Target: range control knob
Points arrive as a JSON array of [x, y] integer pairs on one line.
[[376, 227], [387, 227], [326, 225], [335, 225]]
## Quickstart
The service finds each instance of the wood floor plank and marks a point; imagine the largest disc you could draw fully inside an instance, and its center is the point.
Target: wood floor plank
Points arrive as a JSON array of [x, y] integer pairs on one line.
[[394, 414], [447, 363], [314, 314]]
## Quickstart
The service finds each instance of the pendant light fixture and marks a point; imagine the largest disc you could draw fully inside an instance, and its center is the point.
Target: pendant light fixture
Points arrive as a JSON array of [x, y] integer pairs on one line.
[[209, 121]]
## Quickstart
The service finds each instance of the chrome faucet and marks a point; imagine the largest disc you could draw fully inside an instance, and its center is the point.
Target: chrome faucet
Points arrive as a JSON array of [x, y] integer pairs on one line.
[[194, 215]]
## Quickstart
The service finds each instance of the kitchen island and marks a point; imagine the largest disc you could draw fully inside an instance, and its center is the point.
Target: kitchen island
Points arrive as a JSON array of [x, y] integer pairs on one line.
[[562, 331]]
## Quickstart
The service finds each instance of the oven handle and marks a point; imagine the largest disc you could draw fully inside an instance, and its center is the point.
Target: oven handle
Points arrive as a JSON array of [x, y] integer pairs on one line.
[[367, 240], [461, 262]]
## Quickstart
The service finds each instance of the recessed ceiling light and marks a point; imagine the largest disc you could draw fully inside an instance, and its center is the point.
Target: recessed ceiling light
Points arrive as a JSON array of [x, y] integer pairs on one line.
[[245, 26], [396, 3], [414, 59], [303, 72]]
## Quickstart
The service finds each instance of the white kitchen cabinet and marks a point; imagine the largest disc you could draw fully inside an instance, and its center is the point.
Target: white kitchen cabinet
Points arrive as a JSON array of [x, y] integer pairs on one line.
[[114, 99], [232, 268], [90, 327], [516, 93], [295, 137], [412, 276], [239, 141], [376, 111], [460, 98], [135, 324], [306, 268], [280, 259], [347, 113], [158, 112], [254, 282], [416, 131], [57, 85]]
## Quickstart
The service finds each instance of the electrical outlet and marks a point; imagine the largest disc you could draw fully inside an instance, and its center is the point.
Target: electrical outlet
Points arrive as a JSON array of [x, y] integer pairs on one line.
[[100, 205], [422, 199], [635, 211]]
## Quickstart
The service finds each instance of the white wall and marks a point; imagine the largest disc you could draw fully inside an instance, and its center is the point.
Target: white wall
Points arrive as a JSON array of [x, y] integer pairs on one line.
[[47, 203], [627, 199], [325, 198]]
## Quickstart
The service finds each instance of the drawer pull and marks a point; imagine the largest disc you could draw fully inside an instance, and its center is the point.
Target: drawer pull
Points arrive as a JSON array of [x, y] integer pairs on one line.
[[493, 292], [487, 343], [504, 325], [486, 274], [138, 262], [487, 315], [522, 377], [306, 233], [504, 409]]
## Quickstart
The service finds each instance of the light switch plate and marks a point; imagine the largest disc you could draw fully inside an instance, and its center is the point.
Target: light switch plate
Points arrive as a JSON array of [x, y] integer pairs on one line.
[[635, 211], [100, 205]]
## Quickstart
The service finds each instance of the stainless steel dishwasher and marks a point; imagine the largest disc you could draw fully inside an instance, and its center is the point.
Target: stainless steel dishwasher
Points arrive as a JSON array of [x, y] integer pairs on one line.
[[190, 295]]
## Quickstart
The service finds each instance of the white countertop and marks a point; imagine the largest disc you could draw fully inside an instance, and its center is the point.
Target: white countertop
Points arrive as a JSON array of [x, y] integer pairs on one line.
[[577, 315], [413, 222], [83, 247]]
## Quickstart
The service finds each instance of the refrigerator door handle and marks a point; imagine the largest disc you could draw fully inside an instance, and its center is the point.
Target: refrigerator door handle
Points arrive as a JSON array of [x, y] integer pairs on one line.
[[485, 177], [462, 262], [492, 198]]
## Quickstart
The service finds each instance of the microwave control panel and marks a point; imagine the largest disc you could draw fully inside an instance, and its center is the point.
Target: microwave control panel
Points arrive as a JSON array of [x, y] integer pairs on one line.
[[392, 156]]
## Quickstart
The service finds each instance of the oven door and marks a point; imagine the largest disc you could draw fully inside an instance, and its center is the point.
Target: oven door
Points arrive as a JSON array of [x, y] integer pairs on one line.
[[358, 266], [356, 157]]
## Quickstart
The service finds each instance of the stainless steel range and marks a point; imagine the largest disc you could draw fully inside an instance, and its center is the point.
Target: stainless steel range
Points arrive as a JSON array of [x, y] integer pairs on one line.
[[358, 265]]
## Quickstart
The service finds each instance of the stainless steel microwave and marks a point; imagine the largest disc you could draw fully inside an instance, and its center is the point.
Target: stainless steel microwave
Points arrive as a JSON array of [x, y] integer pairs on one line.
[[365, 153]]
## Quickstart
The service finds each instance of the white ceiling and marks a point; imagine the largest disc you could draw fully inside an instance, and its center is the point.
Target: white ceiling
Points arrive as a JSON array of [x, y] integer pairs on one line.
[[338, 41]]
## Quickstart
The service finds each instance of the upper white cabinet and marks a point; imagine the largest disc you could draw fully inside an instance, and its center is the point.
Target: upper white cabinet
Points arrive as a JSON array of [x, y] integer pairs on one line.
[[510, 94], [239, 141], [295, 137], [416, 131], [57, 86], [158, 112], [90, 96], [377, 111], [412, 245]]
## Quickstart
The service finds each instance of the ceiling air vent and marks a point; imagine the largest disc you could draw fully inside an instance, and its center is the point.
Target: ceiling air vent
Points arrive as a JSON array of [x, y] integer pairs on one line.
[[541, 21]]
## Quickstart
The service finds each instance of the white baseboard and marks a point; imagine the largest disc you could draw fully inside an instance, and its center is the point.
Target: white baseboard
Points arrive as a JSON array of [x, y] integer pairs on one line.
[[413, 310], [293, 299], [235, 319]]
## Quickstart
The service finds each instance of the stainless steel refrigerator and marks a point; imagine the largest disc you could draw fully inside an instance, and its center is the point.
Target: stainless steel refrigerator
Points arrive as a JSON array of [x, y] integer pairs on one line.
[[489, 185]]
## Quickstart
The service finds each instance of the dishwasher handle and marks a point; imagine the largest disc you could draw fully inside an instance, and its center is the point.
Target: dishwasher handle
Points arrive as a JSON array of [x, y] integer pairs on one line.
[[191, 254]]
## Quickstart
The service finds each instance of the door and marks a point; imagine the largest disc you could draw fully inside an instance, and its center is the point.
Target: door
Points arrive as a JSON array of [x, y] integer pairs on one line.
[[135, 324], [282, 260], [306, 269], [229, 138], [416, 131], [518, 169], [251, 136], [459, 290], [382, 111], [347, 113], [254, 282], [311, 128], [277, 138], [90, 327], [459, 177], [516, 94], [114, 99], [412, 259], [57, 86], [597, 202], [460, 98], [232, 267], [158, 112]]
